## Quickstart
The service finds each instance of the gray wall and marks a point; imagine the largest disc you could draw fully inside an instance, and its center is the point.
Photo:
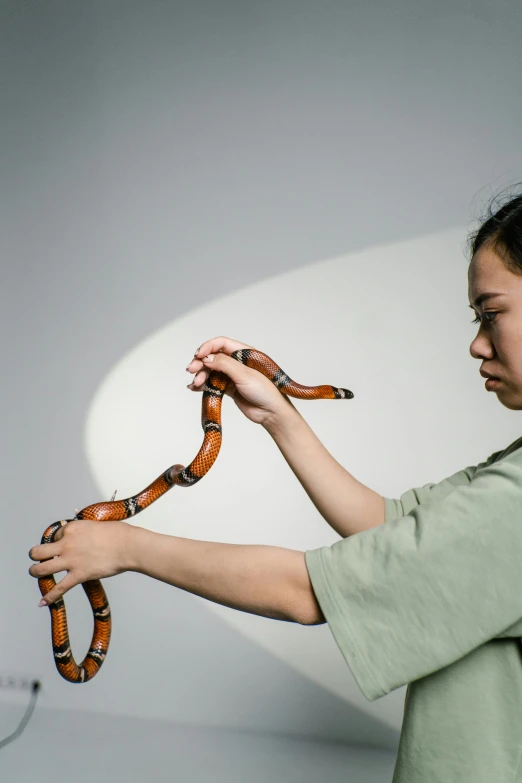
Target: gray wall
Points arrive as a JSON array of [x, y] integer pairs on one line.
[[154, 157]]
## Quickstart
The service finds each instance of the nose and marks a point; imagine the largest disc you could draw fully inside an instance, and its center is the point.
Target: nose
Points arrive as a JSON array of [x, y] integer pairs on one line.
[[481, 347]]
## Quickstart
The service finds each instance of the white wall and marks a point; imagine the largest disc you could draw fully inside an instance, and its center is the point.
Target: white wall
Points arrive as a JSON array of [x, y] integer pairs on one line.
[[157, 156]]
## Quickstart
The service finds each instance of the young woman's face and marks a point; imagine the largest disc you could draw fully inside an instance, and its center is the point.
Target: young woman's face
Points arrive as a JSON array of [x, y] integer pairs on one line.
[[498, 343]]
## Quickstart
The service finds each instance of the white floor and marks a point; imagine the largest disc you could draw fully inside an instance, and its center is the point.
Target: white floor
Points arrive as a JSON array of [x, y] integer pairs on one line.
[[81, 748]]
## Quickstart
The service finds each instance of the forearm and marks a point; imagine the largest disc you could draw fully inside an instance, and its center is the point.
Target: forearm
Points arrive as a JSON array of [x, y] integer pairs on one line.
[[264, 580], [345, 503]]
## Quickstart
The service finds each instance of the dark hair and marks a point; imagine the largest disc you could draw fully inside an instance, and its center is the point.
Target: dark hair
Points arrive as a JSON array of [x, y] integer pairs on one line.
[[502, 229]]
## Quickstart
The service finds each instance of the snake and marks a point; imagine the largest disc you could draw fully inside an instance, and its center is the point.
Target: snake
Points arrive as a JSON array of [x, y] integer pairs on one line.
[[177, 475]]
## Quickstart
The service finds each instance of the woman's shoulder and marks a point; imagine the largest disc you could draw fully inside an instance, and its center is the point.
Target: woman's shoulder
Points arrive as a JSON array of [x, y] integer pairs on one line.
[[510, 454], [511, 449]]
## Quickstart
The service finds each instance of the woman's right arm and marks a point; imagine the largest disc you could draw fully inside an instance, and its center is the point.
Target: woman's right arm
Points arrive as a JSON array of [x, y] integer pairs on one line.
[[347, 505]]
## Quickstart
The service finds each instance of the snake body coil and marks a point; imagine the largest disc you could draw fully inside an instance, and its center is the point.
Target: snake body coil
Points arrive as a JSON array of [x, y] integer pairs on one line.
[[213, 392]]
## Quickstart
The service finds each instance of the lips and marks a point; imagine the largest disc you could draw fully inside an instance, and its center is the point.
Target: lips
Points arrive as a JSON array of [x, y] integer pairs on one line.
[[488, 375]]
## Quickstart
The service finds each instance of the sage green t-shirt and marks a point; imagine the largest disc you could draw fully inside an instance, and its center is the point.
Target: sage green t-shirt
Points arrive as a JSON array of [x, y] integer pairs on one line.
[[433, 599]]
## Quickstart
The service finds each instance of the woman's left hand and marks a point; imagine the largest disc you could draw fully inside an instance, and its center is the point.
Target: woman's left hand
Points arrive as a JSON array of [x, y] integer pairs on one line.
[[86, 550]]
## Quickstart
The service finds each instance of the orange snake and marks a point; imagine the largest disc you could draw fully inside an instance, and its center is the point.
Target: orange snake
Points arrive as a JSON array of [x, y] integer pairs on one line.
[[213, 392]]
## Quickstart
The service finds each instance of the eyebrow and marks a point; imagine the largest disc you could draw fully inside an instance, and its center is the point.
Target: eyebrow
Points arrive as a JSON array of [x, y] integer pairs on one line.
[[482, 298]]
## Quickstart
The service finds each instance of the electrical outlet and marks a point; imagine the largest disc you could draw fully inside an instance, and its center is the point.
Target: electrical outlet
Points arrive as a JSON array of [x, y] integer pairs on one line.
[[17, 682]]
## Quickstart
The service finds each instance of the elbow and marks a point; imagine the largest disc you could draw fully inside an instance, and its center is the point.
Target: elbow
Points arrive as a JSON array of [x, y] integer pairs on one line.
[[304, 606], [317, 619], [311, 613]]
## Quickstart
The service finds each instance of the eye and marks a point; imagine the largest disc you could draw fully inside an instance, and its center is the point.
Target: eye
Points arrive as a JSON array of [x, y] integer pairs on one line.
[[486, 313]]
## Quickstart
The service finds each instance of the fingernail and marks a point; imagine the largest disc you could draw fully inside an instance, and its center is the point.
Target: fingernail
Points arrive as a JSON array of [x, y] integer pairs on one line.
[[209, 358], [42, 603], [198, 350]]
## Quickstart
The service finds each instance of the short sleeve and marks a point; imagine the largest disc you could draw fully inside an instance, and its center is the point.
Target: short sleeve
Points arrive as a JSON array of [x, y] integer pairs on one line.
[[433, 491], [416, 594]]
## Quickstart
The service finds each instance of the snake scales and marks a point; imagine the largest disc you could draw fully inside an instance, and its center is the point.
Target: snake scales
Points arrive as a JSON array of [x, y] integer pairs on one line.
[[213, 392]]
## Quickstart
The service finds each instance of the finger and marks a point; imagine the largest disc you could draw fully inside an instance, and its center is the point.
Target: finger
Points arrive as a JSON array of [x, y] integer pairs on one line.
[[45, 551], [199, 384], [193, 386], [47, 567], [216, 345], [198, 381], [236, 371], [199, 378], [219, 345], [194, 365], [59, 590]]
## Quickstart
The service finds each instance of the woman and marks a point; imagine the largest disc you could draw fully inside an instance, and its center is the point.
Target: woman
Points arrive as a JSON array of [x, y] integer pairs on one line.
[[432, 598]]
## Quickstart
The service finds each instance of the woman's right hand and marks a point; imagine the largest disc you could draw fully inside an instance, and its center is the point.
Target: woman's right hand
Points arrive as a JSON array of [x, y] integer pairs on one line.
[[255, 396]]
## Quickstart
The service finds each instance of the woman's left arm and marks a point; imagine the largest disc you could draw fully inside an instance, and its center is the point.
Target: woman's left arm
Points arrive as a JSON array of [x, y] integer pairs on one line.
[[264, 580]]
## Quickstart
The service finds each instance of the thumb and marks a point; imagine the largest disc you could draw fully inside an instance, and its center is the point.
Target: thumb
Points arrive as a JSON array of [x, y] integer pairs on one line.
[[235, 370], [59, 533]]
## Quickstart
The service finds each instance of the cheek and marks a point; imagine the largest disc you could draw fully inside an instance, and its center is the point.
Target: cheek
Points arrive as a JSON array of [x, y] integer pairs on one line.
[[509, 343], [514, 335]]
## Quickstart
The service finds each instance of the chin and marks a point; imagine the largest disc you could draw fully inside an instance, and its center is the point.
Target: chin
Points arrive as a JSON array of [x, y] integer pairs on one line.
[[512, 403]]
